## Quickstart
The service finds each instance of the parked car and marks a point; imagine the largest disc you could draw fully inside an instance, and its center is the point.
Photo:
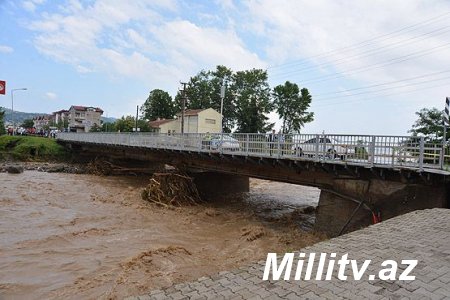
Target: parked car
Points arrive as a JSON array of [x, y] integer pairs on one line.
[[226, 143], [333, 148]]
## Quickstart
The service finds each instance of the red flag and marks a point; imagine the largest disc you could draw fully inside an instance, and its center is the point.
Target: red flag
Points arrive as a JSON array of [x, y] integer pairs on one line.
[[2, 87]]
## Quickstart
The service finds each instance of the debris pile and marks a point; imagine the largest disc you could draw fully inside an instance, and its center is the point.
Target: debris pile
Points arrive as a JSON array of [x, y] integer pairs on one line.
[[171, 189]]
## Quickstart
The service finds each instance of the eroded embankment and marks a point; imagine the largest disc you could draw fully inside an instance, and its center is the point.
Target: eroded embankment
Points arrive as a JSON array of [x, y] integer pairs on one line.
[[90, 237]]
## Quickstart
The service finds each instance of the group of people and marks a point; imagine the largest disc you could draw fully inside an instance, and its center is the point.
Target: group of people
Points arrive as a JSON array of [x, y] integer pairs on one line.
[[32, 131], [276, 141]]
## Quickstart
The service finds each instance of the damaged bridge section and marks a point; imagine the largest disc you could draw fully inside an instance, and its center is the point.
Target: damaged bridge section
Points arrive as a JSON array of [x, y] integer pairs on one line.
[[351, 197]]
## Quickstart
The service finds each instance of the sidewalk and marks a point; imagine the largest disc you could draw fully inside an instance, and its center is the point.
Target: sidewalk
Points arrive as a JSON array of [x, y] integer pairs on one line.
[[422, 235]]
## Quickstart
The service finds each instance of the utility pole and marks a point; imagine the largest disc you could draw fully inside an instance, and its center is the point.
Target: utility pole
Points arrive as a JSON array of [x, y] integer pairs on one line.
[[183, 105], [137, 112], [222, 96]]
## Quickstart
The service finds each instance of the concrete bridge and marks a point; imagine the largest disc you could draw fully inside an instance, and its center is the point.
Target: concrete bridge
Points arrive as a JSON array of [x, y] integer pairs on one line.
[[363, 178]]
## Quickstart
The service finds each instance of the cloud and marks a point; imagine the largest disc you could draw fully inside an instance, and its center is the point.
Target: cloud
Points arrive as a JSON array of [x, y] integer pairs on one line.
[[137, 40], [6, 49], [31, 4], [51, 95]]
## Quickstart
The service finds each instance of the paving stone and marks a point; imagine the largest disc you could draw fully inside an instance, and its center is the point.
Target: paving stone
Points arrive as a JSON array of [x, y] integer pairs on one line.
[[422, 235]]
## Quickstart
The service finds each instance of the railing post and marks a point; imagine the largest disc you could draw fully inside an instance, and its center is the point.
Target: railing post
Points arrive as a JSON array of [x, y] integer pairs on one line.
[[221, 143], [246, 143], [317, 147], [278, 146], [372, 151], [421, 153]]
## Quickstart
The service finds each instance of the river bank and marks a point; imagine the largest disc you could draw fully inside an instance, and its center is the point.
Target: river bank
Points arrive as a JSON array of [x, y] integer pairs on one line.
[[92, 237]]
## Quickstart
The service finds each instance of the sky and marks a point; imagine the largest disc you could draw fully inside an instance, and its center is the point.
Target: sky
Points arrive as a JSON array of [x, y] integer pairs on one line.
[[369, 65]]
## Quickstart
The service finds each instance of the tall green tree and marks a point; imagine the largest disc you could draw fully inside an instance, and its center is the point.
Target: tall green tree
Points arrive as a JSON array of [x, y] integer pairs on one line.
[[291, 105], [251, 93], [125, 124], [27, 123], [2, 122], [159, 104], [128, 123], [203, 91], [109, 127], [429, 124]]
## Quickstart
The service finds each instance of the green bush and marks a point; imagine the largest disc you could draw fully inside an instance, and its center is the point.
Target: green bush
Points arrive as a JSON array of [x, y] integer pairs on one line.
[[31, 148]]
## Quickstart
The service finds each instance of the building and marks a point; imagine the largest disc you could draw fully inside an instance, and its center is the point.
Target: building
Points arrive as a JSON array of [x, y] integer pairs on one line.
[[40, 122], [165, 125], [61, 117], [195, 121], [83, 118]]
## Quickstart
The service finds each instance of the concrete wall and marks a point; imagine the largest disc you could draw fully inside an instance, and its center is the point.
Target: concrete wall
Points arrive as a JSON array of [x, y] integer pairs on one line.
[[172, 125], [209, 120], [212, 185], [387, 197]]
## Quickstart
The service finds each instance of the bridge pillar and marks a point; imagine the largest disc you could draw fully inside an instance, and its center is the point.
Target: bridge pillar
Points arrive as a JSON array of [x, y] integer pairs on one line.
[[214, 184], [339, 204]]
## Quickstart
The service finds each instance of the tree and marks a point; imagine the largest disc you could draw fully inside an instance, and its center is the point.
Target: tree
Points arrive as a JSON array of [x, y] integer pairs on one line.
[[291, 105], [429, 124], [128, 123], [2, 122], [203, 91], [27, 123], [109, 127], [95, 128], [159, 104], [125, 124], [251, 94]]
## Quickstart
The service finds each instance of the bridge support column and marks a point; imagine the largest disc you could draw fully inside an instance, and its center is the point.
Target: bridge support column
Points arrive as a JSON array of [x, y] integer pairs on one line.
[[213, 184], [340, 206]]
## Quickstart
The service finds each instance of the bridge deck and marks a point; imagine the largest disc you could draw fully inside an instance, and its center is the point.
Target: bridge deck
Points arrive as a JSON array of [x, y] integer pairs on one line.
[[422, 235], [394, 152]]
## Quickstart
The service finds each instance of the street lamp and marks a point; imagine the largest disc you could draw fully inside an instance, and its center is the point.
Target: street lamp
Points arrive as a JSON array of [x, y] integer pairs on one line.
[[222, 96], [12, 106]]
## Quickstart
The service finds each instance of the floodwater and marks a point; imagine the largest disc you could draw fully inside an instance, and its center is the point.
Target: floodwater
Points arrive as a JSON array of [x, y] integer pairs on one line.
[[89, 237]]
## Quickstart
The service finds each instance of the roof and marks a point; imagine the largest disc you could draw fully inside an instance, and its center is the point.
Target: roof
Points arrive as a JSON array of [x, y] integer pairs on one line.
[[158, 123], [46, 118], [192, 112], [85, 108], [61, 111]]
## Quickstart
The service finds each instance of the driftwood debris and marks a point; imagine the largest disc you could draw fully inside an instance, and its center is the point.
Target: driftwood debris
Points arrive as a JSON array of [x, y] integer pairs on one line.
[[171, 189], [103, 167]]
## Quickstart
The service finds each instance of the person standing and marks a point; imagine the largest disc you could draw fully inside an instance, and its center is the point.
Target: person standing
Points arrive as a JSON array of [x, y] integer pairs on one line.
[[272, 138]]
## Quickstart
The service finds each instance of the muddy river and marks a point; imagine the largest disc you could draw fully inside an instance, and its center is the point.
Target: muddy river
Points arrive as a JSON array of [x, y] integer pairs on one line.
[[89, 237]]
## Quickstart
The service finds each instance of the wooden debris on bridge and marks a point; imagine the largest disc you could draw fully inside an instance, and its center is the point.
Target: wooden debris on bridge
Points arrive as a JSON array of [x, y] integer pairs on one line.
[[100, 166], [171, 189]]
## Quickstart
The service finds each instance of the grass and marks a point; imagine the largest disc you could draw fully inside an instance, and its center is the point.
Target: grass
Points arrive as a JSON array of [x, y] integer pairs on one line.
[[30, 148]]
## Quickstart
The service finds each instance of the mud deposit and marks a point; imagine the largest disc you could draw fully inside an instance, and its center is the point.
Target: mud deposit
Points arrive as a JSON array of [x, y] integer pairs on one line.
[[88, 237]]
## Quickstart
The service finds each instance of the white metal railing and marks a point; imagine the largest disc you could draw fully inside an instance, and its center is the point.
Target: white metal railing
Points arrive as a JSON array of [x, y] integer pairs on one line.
[[364, 150]]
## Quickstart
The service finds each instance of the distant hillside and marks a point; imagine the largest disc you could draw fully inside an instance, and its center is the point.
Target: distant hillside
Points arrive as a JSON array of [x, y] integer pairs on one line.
[[19, 116], [108, 120]]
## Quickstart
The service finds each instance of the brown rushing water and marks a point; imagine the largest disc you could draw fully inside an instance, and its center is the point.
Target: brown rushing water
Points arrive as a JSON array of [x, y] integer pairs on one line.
[[89, 237]]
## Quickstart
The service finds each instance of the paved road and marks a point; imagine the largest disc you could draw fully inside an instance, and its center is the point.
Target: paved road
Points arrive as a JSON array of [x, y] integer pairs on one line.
[[422, 235]]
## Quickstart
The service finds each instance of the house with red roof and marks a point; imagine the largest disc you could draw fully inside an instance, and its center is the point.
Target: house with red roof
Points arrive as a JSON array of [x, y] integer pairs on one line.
[[83, 118]]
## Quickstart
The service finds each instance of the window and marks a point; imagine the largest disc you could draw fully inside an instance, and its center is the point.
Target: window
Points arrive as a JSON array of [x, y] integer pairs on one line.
[[210, 121]]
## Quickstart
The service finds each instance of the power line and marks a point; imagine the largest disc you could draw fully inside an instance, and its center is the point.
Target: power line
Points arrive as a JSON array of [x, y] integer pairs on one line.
[[381, 84], [363, 43], [377, 65], [369, 52], [381, 95], [384, 89]]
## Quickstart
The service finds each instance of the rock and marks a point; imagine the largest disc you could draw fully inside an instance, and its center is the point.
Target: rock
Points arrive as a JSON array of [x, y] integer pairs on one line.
[[56, 169], [14, 169]]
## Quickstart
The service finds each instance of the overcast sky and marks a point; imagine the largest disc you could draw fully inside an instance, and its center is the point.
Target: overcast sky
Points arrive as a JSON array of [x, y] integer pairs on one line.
[[369, 65]]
